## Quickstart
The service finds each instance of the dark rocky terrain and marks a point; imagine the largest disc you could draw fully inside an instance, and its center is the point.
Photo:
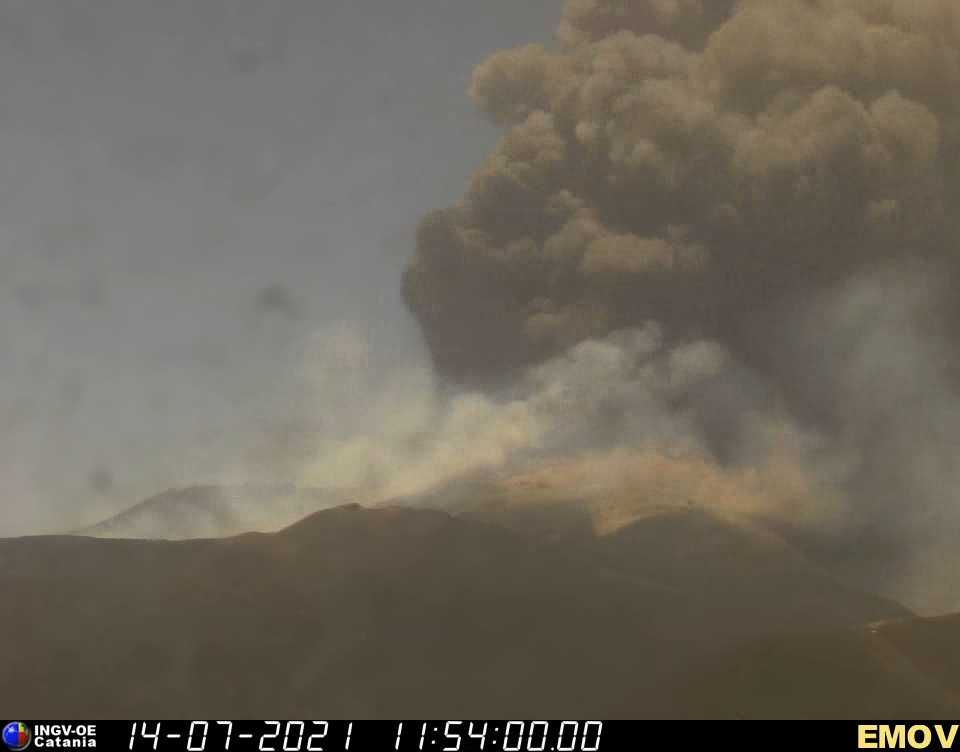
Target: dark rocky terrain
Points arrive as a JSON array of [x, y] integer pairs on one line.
[[499, 607]]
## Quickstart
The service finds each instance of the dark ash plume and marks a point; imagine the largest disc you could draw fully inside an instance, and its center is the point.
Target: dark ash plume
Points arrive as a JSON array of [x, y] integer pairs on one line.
[[693, 163], [780, 177]]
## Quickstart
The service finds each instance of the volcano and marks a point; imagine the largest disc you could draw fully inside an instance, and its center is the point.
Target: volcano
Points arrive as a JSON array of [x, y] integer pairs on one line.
[[495, 606]]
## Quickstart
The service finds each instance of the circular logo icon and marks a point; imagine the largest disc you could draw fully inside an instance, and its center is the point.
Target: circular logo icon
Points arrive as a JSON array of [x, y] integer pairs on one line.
[[16, 736]]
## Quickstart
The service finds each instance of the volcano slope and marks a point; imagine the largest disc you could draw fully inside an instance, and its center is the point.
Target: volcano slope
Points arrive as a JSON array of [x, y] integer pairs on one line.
[[213, 512], [404, 611], [907, 667]]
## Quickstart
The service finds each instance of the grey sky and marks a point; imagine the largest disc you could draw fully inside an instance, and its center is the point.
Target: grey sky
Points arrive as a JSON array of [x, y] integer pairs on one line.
[[189, 189]]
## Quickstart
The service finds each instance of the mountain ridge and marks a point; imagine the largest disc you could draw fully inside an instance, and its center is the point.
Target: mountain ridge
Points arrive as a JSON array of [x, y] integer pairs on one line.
[[389, 611]]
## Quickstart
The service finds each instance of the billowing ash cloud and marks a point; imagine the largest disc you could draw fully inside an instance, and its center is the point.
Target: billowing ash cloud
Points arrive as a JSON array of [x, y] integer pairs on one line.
[[778, 176], [695, 162]]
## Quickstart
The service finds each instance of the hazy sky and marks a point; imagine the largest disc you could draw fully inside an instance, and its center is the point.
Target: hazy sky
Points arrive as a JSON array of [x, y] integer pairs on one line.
[[189, 190]]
